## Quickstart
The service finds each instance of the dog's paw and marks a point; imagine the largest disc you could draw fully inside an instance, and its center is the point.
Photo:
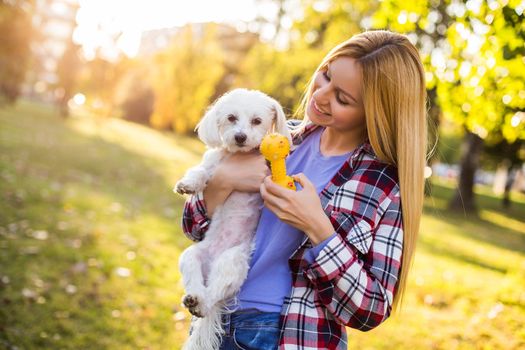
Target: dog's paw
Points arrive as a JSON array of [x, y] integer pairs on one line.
[[182, 187], [194, 304]]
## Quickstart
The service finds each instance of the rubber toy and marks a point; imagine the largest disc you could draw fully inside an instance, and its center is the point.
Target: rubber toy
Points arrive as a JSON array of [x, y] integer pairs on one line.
[[275, 147]]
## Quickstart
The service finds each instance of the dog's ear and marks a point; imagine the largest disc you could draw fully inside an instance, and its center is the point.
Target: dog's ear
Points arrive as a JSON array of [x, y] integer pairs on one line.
[[279, 120], [208, 128]]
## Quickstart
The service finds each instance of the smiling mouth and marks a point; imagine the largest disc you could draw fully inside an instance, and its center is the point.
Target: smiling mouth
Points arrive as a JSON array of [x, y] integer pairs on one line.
[[317, 109]]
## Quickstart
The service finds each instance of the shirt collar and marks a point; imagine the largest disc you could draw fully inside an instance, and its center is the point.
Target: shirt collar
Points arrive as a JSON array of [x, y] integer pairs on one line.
[[364, 147]]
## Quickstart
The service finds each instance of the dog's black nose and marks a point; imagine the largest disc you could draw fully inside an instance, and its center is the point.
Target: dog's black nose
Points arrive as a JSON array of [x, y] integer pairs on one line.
[[240, 137]]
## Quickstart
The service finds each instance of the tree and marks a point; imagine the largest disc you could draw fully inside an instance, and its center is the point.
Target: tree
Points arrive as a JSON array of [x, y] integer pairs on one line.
[[15, 53], [67, 72], [135, 95], [185, 78], [475, 65], [281, 74], [98, 80], [509, 156], [319, 27]]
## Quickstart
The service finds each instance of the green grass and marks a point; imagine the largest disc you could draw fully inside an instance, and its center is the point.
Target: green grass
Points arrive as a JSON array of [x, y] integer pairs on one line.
[[101, 190], [90, 237]]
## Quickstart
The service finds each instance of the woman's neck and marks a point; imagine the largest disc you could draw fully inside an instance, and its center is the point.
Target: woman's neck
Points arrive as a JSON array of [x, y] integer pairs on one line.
[[334, 142]]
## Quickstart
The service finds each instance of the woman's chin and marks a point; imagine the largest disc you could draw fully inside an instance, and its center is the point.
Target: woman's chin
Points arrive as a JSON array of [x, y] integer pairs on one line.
[[317, 120]]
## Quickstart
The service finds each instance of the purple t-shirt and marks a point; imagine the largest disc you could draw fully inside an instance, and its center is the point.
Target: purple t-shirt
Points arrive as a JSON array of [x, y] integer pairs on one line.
[[269, 278]]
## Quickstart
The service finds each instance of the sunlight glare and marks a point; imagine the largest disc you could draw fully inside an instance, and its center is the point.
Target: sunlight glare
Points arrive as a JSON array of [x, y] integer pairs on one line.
[[79, 99], [115, 26]]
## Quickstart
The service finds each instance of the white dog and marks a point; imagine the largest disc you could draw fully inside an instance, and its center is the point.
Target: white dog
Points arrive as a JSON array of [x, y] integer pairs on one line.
[[214, 269]]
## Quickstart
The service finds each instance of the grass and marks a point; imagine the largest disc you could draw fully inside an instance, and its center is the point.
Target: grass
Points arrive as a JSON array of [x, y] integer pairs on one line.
[[90, 237]]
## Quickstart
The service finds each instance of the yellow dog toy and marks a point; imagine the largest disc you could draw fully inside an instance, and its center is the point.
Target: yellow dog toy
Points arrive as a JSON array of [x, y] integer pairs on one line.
[[275, 147]]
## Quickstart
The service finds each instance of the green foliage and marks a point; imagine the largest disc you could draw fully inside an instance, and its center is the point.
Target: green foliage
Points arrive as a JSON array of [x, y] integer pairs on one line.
[[185, 78], [326, 24], [284, 74], [473, 55], [281, 74]]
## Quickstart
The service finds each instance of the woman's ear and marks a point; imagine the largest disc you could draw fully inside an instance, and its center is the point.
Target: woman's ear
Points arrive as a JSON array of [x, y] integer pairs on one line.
[[279, 119], [208, 128]]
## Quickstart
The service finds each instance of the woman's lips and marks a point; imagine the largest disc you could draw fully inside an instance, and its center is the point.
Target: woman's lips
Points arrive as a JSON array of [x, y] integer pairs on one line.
[[314, 106]]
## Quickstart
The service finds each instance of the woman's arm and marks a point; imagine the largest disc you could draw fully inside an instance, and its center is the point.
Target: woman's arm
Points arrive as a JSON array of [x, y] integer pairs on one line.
[[356, 271], [195, 220], [356, 276], [215, 193], [199, 207], [242, 172]]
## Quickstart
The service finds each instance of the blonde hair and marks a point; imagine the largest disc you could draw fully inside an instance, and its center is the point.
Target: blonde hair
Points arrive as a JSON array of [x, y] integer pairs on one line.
[[394, 98]]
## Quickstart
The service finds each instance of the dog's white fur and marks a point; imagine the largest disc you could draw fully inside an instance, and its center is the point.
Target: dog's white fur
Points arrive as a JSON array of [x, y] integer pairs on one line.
[[214, 269]]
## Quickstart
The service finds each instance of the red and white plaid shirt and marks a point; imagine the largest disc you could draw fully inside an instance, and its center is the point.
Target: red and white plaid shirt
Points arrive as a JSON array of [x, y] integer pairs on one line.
[[353, 279]]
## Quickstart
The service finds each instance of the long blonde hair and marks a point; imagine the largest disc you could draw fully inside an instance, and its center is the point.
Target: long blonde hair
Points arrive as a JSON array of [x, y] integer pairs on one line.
[[394, 98]]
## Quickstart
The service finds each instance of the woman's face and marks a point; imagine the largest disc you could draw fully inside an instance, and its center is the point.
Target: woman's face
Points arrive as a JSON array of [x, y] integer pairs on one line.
[[336, 100]]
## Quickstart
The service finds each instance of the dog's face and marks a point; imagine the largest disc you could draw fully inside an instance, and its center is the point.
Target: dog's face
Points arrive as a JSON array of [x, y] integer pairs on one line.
[[240, 119], [243, 120]]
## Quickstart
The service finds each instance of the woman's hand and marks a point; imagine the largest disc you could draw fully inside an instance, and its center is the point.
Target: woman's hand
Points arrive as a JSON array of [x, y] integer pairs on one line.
[[244, 172], [301, 209], [237, 172]]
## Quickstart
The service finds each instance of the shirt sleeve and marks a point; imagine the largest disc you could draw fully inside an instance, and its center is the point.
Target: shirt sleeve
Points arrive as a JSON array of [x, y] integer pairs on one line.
[[195, 220], [356, 272], [312, 253]]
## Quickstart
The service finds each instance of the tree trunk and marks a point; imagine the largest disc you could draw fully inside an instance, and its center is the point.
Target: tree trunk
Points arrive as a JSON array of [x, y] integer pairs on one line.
[[464, 196], [509, 181]]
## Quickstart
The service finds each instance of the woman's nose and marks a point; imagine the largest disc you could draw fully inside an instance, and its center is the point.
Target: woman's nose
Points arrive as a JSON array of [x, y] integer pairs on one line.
[[320, 95], [321, 92]]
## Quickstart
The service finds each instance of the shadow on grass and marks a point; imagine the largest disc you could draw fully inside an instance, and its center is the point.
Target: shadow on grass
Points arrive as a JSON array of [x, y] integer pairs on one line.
[[474, 226], [448, 252]]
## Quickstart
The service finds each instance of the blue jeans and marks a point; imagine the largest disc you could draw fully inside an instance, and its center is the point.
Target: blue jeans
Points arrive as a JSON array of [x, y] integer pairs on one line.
[[250, 329]]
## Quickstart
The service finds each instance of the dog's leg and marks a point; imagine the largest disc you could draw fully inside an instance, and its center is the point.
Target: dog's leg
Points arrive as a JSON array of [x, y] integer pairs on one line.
[[190, 266], [227, 274], [196, 178], [193, 181]]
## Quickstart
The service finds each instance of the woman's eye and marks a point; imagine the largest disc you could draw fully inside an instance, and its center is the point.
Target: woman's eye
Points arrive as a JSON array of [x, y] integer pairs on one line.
[[232, 118], [256, 121], [337, 96], [340, 101]]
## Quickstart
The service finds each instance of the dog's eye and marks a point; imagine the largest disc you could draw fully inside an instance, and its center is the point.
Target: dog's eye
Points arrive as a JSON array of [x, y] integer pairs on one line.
[[256, 121], [232, 118]]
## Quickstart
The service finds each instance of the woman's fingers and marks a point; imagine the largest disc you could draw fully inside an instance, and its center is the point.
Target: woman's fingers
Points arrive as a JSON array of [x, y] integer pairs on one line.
[[275, 189], [271, 201], [302, 180], [246, 171]]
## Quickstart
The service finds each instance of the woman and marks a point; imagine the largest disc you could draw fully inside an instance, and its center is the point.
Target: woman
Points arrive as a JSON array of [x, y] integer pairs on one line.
[[336, 252]]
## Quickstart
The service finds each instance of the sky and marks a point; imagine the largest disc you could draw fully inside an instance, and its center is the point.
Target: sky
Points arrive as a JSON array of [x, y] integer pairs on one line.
[[97, 20]]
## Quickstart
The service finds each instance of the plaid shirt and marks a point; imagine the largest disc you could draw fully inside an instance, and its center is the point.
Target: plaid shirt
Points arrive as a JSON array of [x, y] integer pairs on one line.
[[353, 279]]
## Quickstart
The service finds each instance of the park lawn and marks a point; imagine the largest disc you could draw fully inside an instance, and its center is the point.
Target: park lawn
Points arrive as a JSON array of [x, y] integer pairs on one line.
[[90, 237]]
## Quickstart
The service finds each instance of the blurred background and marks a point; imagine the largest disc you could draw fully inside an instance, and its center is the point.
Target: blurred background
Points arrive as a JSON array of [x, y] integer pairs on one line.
[[98, 102]]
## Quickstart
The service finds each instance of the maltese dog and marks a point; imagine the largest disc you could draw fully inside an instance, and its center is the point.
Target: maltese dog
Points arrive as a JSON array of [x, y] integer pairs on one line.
[[214, 269]]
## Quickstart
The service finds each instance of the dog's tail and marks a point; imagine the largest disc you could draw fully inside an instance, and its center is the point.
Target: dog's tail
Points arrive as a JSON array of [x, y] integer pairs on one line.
[[206, 332]]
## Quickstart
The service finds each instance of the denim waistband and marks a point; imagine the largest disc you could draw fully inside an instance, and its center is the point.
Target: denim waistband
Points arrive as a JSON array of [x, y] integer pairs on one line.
[[249, 318]]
